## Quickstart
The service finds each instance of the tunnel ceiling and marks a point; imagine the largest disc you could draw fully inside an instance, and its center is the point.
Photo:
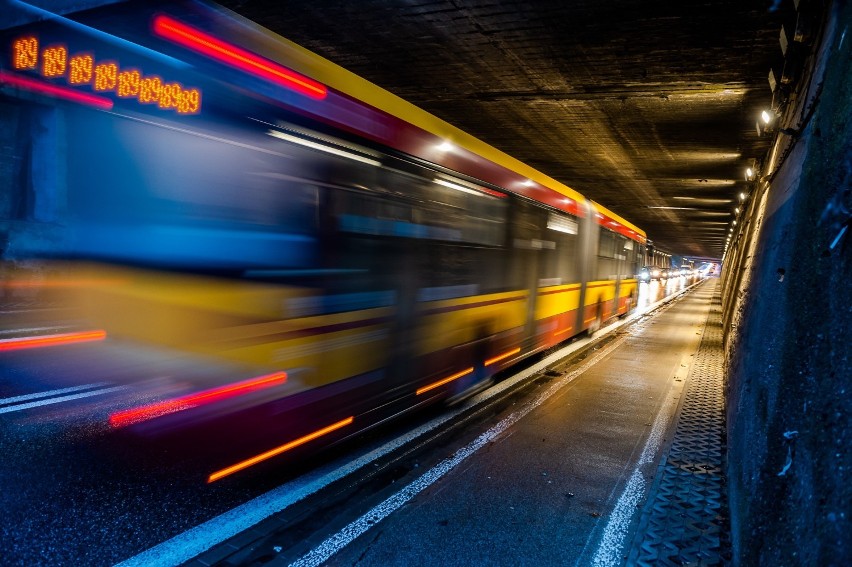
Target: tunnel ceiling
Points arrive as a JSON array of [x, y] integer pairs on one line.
[[647, 107]]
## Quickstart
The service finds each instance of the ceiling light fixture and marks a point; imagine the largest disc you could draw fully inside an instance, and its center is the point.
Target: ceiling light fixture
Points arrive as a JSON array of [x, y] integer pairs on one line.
[[705, 200]]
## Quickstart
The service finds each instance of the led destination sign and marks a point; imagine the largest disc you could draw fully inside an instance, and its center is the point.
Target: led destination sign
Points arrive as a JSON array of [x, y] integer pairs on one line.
[[103, 76]]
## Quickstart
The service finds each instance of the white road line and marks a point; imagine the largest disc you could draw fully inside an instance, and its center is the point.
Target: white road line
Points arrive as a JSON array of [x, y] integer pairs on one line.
[[197, 540], [609, 552], [34, 310], [32, 330], [49, 393], [20, 407], [345, 536]]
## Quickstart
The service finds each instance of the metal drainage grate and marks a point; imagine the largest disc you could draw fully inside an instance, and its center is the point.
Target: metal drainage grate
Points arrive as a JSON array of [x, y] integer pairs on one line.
[[685, 520]]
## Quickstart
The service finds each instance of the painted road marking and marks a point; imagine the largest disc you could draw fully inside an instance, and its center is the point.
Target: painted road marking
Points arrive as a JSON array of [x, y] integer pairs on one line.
[[32, 330], [609, 552], [197, 540], [19, 407], [49, 393], [341, 539]]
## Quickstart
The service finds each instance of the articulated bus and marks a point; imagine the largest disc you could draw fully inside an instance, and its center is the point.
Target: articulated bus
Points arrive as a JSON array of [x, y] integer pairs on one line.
[[185, 183]]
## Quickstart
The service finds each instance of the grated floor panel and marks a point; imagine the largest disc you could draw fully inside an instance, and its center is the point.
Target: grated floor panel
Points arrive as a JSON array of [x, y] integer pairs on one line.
[[685, 519]]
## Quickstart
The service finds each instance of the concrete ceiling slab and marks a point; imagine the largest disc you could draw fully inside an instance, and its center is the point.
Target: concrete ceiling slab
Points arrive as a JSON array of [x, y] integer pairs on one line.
[[648, 107]]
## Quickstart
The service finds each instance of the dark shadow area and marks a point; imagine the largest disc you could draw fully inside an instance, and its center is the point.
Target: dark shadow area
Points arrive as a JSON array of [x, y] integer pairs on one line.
[[789, 395]]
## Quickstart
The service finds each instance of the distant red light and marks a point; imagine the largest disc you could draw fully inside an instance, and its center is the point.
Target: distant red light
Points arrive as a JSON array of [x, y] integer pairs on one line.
[[493, 193], [54, 91], [122, 418], [21, 343], [242, 59]]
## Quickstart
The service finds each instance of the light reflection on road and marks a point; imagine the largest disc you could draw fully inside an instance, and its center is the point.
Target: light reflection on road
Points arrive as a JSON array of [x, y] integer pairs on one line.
[[655, 290]]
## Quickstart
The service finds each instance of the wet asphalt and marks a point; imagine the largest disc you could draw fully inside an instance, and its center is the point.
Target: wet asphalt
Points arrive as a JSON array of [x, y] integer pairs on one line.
[[544, 491], [75, 492]]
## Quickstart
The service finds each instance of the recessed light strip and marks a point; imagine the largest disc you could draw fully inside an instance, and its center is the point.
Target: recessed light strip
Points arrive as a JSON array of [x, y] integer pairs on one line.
[[324, 148]]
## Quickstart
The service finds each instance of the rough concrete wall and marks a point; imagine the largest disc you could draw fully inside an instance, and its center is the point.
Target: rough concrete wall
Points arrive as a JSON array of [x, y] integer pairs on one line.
[[790, 358]]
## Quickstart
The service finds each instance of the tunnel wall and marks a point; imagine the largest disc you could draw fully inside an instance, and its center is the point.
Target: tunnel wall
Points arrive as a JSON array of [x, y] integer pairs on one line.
[[788, 317]]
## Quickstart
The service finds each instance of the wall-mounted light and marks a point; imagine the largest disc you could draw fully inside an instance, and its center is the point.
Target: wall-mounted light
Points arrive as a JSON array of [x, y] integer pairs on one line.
[[446, 147], [743, 196], [749, 174], [764, 123], [736, 210]]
